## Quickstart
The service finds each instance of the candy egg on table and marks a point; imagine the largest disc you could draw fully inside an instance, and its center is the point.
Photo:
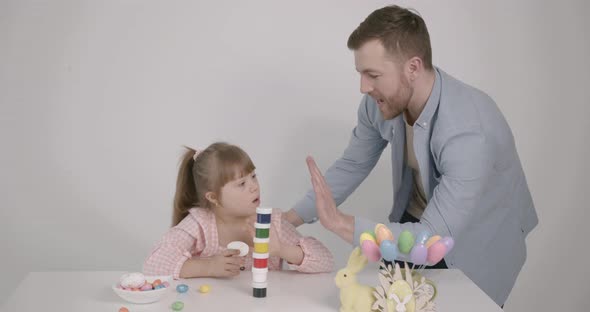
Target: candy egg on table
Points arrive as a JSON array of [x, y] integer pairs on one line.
[[204, 289], [177, 306], [145, 294], [182, 288], [371, 250]]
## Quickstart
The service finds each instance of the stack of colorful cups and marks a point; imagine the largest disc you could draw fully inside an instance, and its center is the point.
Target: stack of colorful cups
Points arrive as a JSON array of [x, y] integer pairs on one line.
[[260, 254]]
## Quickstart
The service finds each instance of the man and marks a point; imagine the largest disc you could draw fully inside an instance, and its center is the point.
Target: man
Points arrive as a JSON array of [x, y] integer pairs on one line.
[[455, 168]]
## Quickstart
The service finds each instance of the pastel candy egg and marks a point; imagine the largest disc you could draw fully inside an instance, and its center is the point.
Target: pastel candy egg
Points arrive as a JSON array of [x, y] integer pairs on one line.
[[432, 240], [405, 241], [422, 237], [182, 288], [204, 289], [383, 233], [177, 306], [132, 280], [371, 250], [146, 286], [436, 252], [388, 250], [123, 309], [449, 242], [418, 254], [367, 236]]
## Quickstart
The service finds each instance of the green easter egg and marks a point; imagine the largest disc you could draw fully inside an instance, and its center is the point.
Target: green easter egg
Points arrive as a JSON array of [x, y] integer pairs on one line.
[[405, 242]]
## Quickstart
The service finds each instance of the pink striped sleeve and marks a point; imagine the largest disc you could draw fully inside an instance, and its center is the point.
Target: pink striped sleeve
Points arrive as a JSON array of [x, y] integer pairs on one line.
[[179, 244], [316, 257]]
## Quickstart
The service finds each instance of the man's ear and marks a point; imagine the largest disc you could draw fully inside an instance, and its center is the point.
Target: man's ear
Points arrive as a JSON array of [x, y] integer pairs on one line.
[[414, 68]]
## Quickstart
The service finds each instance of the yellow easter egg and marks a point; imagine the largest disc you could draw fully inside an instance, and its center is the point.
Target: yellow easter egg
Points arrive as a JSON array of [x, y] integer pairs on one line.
[[204, 289], [367, 236], [432, 240]]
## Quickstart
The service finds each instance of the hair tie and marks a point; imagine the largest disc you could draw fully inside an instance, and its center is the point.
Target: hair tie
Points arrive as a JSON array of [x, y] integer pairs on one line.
[[197, 152]]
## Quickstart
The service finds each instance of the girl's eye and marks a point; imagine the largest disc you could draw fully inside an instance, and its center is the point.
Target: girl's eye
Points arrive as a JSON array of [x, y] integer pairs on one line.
[[242, 183], [254, 176]]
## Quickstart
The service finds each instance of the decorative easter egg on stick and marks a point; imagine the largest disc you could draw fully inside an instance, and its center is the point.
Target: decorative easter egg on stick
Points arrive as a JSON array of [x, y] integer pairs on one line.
[[405, 241], [388, 250]]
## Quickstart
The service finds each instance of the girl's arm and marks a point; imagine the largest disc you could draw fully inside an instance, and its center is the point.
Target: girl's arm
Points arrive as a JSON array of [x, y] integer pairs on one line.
[[304, 254], [173, 255]]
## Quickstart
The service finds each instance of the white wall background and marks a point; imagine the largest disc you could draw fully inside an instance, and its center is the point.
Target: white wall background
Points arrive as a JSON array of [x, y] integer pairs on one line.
[[96, 98]]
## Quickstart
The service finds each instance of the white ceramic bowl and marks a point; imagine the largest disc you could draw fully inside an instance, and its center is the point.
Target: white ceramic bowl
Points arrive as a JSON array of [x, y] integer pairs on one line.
[[147, 296]]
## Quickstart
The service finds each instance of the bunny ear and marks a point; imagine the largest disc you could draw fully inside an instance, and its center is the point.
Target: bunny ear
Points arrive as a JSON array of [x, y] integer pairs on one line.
[[407, 299], [356, 261], [394, 297]]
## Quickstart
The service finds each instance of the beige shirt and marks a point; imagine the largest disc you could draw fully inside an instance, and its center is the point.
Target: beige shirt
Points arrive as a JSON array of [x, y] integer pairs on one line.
[[417, 197]]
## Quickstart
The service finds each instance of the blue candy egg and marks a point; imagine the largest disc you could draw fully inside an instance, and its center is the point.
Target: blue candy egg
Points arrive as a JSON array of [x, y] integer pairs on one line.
[[182, 288]]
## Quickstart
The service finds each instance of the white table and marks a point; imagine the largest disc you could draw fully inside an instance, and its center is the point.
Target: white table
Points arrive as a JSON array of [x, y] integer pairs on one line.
[[287, 291]]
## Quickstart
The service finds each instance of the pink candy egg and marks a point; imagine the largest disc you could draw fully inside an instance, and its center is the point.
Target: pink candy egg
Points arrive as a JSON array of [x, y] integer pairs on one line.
[[146, 286], [371, 250], [436, 252], [166, 284]]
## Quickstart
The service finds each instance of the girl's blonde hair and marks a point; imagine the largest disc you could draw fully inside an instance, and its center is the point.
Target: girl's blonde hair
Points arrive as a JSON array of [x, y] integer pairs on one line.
[[209, 171]]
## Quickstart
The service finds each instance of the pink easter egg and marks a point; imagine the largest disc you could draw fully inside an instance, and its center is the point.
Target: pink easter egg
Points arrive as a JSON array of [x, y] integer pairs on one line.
[[436, 252], [371, 250], [146, 286], [166, 284]]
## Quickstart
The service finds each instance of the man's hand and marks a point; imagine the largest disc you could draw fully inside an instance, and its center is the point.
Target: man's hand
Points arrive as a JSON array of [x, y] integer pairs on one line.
[[330, 217]]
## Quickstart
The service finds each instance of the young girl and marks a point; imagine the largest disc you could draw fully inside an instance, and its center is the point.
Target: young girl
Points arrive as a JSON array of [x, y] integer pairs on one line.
[[217, 194]]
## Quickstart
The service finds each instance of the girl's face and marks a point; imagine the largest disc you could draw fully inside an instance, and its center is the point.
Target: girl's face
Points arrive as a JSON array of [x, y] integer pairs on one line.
[[241, 197]]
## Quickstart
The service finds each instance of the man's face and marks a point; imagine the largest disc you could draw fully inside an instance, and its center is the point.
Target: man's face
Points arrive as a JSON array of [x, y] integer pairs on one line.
[[383, 79]]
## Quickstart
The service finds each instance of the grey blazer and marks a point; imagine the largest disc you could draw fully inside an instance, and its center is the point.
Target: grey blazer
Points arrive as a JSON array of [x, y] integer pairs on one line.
[[472, 177]]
